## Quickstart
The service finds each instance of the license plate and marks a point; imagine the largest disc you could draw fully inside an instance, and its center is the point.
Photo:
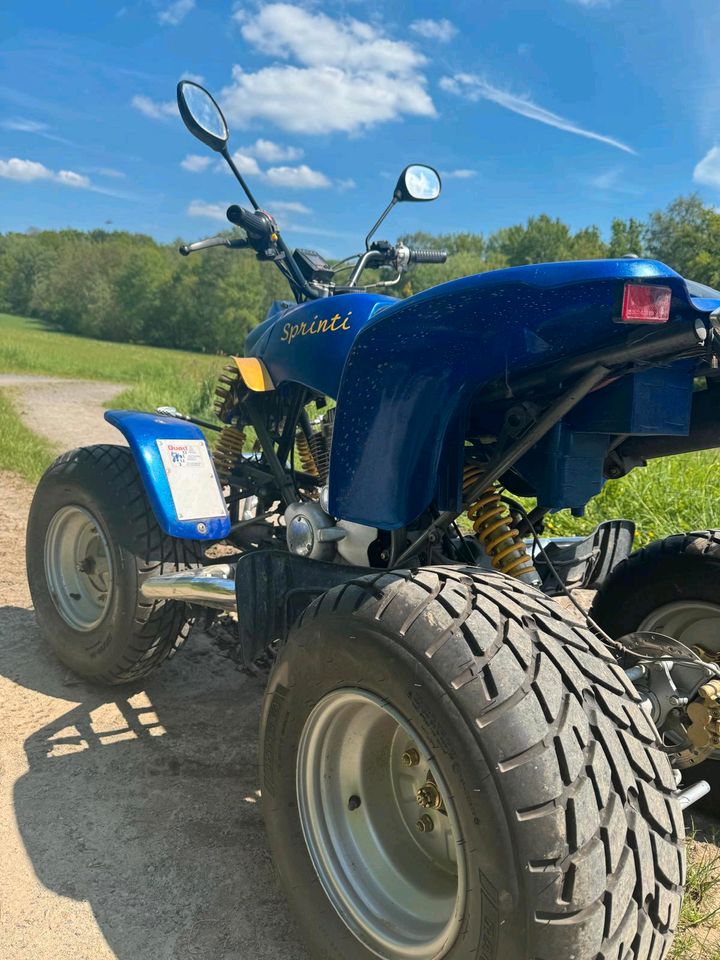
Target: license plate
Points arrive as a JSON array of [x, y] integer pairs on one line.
[[193, 482]]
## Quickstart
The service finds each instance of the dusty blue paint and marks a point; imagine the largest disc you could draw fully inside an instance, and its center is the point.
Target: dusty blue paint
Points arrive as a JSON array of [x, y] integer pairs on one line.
[[416, 363], [142, 430]]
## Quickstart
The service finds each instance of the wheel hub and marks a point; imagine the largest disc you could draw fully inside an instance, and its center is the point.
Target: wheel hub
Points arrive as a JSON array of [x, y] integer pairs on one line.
[[396, 880], [78, 567]]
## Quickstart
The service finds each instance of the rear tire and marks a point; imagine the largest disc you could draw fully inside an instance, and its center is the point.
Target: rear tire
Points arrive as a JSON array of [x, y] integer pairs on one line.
[[92, 539], [672, 586], [565, 824]]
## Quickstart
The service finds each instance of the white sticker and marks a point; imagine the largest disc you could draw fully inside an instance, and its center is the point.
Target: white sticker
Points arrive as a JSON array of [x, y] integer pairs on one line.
[[193, 483]]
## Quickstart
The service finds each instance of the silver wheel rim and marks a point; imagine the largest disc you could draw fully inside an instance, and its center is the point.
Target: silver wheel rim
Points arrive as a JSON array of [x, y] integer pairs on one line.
[[78, 567], [399, 890], [695, 623]]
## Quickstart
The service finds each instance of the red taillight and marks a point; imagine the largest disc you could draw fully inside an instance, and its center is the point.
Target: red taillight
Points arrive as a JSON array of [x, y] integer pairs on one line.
[[644, 304]]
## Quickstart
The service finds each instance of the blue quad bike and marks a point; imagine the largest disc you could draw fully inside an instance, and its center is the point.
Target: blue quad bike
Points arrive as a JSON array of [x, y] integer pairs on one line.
[[452, 765]]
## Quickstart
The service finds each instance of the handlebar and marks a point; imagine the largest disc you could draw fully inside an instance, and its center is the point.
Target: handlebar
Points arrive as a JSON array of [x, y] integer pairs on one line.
[[187, 248], [258, 226], [428, 256]]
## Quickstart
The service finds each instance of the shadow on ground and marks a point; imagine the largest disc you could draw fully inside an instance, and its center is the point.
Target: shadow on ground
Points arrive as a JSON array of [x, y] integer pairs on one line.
[[143, 801]]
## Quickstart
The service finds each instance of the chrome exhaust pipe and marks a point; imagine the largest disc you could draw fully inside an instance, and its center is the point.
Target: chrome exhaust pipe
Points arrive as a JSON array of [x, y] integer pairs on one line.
[[212, 586]]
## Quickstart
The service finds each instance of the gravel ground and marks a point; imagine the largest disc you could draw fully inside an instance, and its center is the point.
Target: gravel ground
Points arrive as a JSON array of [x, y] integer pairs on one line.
[[130, 824], [68, 413]]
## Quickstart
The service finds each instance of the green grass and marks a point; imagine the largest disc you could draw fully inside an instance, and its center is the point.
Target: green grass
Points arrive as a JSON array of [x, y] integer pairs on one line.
[[671, 495], [698, 934], [21, 450], [154, 376]]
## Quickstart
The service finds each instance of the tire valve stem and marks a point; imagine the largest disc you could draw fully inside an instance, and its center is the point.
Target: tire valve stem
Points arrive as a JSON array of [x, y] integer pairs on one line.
[[354, 802]]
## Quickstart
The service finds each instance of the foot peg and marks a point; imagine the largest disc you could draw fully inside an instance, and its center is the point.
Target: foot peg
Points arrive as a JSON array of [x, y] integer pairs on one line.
[[693, 793]]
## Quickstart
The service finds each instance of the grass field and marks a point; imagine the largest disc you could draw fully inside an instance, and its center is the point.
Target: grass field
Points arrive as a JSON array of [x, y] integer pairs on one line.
[[670, 495], [153, 377]]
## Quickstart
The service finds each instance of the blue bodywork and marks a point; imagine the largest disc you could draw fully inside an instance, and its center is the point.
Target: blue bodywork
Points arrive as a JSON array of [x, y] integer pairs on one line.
[[404, 373], [142, 431], [309, 343]]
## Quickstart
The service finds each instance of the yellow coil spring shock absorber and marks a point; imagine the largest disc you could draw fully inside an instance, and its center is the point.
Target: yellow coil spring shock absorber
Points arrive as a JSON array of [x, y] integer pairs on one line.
[[305, 454], [228, 451], [493, 527]]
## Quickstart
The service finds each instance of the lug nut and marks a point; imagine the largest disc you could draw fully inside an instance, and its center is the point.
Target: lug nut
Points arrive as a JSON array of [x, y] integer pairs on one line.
[[411, 758], [425, 824], [429, 796]]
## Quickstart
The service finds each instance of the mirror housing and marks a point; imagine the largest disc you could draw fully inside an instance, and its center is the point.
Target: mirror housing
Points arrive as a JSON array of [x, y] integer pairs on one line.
[[202, 116], [418, 183]]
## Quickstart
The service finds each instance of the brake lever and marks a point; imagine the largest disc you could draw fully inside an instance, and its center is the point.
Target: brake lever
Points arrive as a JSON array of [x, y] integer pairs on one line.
[[187, 248]]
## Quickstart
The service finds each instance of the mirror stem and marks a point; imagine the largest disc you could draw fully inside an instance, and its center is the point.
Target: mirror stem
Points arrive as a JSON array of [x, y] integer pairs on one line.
[[374, 229], [297, 276], [248, 193]]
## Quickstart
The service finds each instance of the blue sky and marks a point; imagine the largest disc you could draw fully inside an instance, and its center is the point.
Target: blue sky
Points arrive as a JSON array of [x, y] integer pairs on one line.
[[585, 109]]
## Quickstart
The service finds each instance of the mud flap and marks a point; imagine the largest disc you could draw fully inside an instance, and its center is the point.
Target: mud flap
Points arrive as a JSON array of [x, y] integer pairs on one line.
[[584, 564], [273, 588]]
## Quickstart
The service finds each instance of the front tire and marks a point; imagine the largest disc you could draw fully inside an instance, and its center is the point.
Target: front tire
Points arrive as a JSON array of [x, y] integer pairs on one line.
[[560, 832], [92, 539]]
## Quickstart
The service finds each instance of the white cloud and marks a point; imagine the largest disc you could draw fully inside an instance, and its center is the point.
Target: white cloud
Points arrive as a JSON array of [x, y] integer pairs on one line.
[[372, 79], [71, 179], [248, 166], [195, 77], [217, 211], [174, 14], [287, 207], [107, 172], [441, 30], [211, 211], [154, 109], [24, 126], [297, 178], [707, 170], [614, 180], [461, 174], [272, 152], [194, 163], [26, 171], [474, 88]]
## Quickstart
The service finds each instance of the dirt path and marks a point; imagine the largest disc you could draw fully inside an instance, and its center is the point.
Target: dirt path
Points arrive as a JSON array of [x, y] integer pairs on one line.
[[130, 824], [68, 413], [129, 820]]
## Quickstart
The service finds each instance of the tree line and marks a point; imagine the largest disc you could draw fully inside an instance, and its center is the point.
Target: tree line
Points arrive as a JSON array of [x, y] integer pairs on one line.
[[126, 287]]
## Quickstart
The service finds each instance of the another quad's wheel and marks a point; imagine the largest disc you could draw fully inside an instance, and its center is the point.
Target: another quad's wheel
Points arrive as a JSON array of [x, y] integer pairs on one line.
[[452, 767], [672, 587], [91, 540]]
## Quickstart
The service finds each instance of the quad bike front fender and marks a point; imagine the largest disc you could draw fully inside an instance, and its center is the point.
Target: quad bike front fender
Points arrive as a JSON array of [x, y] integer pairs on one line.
[[177, 472]]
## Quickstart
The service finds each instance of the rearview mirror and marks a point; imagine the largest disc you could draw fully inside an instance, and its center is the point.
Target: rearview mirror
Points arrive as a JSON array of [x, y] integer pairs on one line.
[[201, 115], [418, 182]]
